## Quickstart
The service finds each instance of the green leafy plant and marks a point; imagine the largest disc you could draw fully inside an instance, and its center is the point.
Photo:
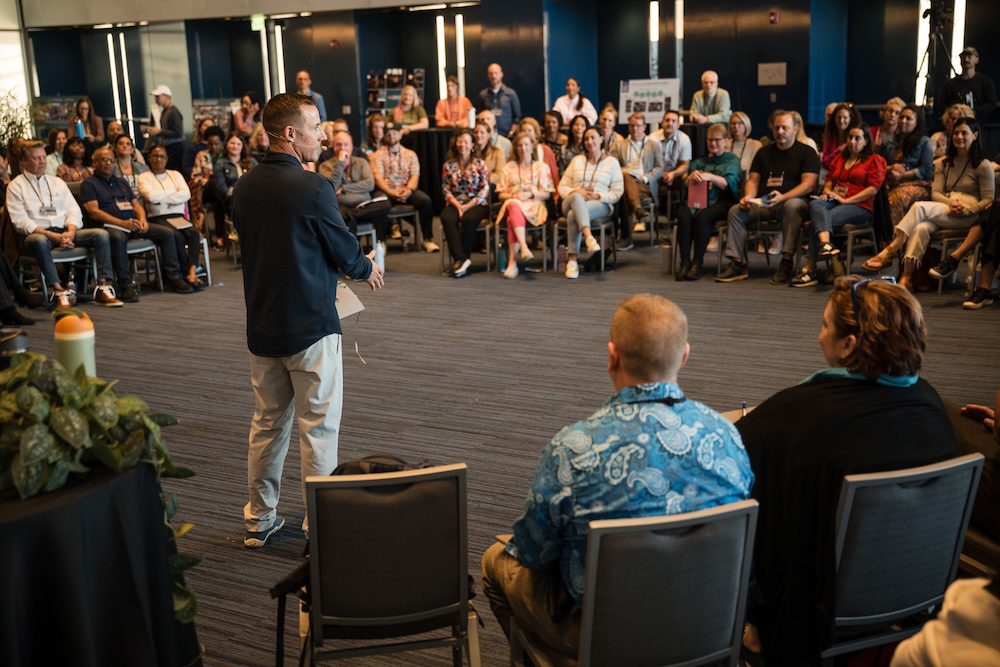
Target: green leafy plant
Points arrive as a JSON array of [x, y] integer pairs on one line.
[[55, 424], [15, 118]]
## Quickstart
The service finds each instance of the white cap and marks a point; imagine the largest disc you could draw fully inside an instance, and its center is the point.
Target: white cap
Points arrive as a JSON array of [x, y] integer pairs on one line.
[[161, 90]]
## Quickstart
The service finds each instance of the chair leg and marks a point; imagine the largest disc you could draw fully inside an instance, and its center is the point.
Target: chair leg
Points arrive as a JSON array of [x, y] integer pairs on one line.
[[208, 262], [602, 248], [159, 274], [473, 650]]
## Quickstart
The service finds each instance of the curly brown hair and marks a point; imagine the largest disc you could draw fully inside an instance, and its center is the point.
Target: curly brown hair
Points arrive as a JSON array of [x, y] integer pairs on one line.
[[888, 323]]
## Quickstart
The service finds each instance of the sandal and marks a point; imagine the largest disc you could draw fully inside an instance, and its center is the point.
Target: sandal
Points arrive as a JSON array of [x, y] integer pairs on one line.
[[877, 263]]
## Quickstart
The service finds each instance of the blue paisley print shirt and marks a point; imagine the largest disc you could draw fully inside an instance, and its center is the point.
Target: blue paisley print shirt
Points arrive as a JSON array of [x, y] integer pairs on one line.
[[636, 456]]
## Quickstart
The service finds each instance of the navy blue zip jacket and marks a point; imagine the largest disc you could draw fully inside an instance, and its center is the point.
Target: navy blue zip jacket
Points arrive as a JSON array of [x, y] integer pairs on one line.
[[294, 244]]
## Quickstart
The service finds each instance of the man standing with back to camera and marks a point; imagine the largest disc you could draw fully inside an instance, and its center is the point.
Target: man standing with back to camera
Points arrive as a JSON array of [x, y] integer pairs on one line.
[[294, 244]]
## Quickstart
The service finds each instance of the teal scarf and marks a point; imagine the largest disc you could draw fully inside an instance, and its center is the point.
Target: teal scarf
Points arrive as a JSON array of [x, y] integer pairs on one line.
[[887, 380]]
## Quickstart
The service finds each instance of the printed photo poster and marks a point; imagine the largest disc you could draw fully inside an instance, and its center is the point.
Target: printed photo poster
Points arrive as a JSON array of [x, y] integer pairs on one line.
[[649, 96]]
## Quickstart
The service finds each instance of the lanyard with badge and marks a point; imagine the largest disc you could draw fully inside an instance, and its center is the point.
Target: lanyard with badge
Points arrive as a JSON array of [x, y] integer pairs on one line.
[[775, 180], [44, 210], [125, 205]]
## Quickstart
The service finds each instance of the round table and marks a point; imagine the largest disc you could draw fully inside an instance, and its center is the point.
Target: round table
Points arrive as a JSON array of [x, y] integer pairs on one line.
[[85, 576]]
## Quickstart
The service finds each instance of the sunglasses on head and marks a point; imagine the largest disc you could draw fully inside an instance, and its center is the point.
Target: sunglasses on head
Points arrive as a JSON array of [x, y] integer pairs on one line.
[[865, 281]]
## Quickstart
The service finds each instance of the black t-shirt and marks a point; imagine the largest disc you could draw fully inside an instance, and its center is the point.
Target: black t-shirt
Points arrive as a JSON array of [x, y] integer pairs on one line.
[[979, 92], [782, 170]]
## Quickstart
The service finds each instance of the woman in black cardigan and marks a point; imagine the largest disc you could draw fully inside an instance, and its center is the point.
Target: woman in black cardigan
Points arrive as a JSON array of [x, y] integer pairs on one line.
[[868, 412]]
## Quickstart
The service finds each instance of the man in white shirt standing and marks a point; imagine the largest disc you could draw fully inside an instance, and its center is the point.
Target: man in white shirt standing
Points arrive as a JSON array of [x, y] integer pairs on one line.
[[642, 165], [710, 104], [43, 209]]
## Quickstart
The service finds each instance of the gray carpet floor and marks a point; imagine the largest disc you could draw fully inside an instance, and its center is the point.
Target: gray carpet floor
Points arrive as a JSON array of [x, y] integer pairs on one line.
[[479, 370]]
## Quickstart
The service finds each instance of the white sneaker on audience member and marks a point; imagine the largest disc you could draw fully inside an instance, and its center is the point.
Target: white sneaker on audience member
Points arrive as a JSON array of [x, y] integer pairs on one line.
[[572, 269], [592, 244], [713, 244], [511, 271], [776, 242]]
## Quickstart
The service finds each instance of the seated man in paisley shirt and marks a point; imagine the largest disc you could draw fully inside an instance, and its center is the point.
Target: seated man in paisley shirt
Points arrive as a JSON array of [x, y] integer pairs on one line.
[[647, 451]]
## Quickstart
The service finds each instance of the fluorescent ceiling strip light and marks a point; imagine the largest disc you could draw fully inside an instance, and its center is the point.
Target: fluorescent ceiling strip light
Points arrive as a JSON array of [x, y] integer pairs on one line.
[[267, 66], [442, 63], [654, 21], [958, 34], [679, 19], [279, 55], [114, 75], [128, 85], [923, 40], [425, 8]]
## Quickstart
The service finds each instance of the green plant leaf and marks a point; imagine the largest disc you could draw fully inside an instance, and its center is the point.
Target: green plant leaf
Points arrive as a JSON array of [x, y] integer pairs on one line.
[[185, 604], [18, 372], [58, 475], [70, 425], [109, 455], [10, 437], [104, 409], [180, 562], [131, 406], [37, 443], [8, 407], [133, 447], [32, 403], [177, 472], [182, 530], [28, 478], [161, 419], [170, 505]]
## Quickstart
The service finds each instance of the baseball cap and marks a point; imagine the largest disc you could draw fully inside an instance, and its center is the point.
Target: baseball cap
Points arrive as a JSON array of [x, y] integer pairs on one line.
[[161, 90], [392, 126], [970, 49]]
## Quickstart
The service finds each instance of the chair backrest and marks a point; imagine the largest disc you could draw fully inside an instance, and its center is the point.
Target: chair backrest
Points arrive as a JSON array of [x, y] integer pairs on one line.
[[899, 539], [667, 590], [75, 188], [388, 550]]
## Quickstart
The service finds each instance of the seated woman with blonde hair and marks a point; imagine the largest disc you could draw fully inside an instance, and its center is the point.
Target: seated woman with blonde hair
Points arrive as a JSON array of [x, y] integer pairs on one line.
[[868, 411], [939, 140], [524, 190], [488, 153], [542, 152], [409, 113]]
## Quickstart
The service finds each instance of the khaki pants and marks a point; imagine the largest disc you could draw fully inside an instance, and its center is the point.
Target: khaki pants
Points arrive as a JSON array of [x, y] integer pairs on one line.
[[307, 385], [536, 599]]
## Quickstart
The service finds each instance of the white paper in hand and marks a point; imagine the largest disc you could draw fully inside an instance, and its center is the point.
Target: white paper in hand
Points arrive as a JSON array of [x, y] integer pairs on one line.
[[348, 302]]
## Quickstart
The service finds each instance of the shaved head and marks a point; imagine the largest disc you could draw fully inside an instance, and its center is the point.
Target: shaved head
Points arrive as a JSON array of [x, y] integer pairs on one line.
[[650, 333]]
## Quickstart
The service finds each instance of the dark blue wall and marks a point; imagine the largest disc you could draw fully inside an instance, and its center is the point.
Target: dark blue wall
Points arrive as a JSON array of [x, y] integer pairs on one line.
[[58, 60], [572, 23], [622, 45], [827, 55], [512, 36], [881, 50], [223, 58]]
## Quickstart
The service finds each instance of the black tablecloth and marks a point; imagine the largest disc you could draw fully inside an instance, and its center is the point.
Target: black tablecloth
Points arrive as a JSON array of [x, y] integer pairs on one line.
[[698, 132], [431, 147], [85, 578]]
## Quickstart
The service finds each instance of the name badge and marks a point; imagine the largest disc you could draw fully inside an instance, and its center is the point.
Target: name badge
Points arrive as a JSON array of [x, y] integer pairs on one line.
[[497, 112], [840, 190], [47, 212], [775, 181], [123, 205]]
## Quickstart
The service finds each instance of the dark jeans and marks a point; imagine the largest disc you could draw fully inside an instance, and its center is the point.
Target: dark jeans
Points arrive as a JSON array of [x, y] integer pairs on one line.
[[699, 224], [164, 240], [39, 246], [376, 215], [187, 242], [461, 232], [11, 289], [425, 210]]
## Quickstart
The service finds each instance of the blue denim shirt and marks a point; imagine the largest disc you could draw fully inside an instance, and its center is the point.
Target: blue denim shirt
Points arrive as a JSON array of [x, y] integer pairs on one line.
[[636, 456], [921, 158], [505, 105]]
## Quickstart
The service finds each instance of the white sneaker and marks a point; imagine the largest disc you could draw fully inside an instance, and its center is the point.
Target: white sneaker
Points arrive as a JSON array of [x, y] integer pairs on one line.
[[573, 269], [776, 242], [511, 271], [713, 244], [463, 269], [430, 246], [592, 244]]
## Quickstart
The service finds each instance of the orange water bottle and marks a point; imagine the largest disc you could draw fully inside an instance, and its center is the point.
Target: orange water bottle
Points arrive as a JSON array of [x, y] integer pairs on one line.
[[74, 334]]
